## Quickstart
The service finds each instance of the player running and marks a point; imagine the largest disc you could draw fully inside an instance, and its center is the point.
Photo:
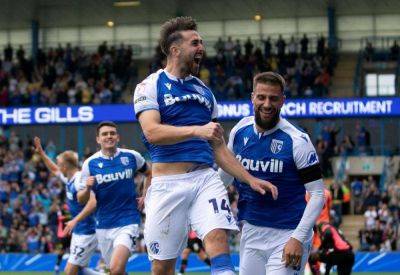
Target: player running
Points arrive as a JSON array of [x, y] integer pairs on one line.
[[83, 242], [195, 245], [276, 235], [177, 113], [109, 174]]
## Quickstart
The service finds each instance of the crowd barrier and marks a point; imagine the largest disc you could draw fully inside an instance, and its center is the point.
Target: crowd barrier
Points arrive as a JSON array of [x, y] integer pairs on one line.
[[365, 262]]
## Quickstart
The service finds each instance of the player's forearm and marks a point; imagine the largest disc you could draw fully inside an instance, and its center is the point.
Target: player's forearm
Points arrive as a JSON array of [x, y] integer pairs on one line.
[[53, 168], [227, 162], [162, 134], [84, 195], [89, 208], [146, 184], [312, 210]]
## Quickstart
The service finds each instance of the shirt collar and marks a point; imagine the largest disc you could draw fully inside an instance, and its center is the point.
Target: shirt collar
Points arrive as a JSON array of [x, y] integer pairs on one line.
[[268, 132], [172, 77], [112, 157]]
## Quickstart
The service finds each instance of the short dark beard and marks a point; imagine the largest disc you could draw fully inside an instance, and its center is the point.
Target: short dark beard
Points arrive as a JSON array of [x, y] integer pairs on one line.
[[266, 125]]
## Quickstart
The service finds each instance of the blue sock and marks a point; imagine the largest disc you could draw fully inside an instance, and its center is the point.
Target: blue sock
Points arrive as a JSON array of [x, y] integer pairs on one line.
[[222, 264]]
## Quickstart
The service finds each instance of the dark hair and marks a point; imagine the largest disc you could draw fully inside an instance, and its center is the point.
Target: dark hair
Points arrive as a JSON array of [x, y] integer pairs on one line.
[[105, 123], [270, 78], [170, 31]]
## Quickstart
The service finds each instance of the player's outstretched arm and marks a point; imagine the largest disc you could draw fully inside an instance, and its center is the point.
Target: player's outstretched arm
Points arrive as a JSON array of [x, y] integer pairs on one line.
[[162, 134], [225, 159], [53, 168], [89, 208]]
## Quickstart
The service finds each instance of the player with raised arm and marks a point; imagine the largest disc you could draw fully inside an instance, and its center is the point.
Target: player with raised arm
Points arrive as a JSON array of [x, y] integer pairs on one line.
[[83, 241], [276, 234], [109, 174], [177, 113]]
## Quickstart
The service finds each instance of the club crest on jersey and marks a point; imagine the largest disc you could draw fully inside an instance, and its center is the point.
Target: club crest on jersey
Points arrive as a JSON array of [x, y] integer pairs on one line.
[[100, 164], [276, 146], [125, 160]]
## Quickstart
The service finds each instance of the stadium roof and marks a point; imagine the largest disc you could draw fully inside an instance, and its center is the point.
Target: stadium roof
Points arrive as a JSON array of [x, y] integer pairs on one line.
[[63, 13]]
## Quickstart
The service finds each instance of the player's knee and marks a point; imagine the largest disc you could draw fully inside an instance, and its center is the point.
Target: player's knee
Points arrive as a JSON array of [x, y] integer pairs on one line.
[[71, 270], [216, 242], [216, 237], [117, 269], [163, 267]]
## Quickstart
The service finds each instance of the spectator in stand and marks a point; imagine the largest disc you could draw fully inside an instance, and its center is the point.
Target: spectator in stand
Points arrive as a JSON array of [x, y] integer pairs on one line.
[[369, 52], [347, 146], [337, 201], [267, 48], [363, 139], [304, 46], [280, 47], [237, 49], [321, 46], [394, 51], [219, 45], [248, 47], [8, 53], [357, 196]]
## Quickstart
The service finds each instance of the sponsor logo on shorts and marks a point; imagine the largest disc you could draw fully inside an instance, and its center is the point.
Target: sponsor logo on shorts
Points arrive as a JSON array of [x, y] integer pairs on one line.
[[155, 247]]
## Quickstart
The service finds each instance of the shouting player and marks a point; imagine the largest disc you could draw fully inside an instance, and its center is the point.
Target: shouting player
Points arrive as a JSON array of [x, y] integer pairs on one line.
[[276, 234], [177, 113], [109, 174]]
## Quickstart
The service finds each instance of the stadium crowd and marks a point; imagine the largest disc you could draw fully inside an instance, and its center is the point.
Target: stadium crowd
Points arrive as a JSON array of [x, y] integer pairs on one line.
[[66, 76], [230, 72], [381, 215]]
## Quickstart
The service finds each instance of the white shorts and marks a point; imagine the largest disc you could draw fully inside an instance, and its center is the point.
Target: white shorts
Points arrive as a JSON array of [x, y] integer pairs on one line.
[[81, 249], [173, 203], [111, 238], [261, 250]]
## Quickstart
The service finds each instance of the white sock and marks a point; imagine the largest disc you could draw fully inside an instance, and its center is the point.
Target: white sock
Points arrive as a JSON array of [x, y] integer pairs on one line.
[[89, 271]]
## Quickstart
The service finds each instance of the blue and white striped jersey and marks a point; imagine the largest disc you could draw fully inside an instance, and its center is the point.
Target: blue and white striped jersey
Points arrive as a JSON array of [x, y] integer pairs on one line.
[[114, 187], [181, 102], [280, 156]]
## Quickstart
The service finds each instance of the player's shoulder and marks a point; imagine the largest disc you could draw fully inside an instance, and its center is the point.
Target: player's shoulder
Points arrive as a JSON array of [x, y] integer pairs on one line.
[[296, 134], [243, 124], [146, 86], [152, 78], [93, 158], [198, 81], [131, 152]]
